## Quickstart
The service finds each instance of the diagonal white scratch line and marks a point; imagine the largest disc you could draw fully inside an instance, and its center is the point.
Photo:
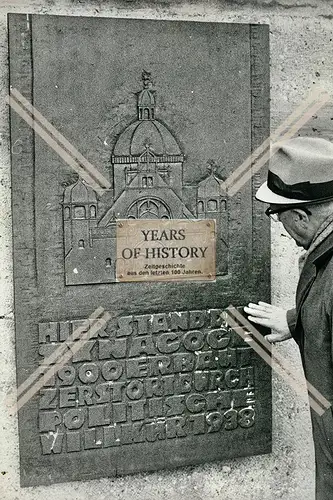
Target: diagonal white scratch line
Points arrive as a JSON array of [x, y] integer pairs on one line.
[[63, 360], [316, 100], [312, 97], [60, 138], [296, 385], [50, 360], [58, 142], [62, 355], [54, 145], [282, 361], [261, 162], [280, 364]]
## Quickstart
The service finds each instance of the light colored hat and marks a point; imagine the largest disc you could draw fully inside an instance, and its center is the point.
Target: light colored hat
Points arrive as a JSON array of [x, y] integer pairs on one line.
[[300, 171]]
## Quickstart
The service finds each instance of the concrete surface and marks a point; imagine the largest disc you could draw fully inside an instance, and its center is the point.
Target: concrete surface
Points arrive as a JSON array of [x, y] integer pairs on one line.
[[301, 59]]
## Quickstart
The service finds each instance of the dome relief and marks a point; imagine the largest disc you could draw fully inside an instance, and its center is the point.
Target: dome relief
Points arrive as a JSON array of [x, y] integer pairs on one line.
[[133, 139], [146, 129]]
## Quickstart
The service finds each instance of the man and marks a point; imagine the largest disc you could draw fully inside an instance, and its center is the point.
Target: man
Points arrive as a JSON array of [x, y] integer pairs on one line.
[[299, 191]]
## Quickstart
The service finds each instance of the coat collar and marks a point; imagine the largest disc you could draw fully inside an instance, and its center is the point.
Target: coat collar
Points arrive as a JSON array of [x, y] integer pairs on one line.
[[323, 251], [314, 261]]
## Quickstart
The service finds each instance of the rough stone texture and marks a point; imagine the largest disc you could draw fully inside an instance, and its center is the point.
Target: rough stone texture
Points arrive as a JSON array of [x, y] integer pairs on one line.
[[301, 47]]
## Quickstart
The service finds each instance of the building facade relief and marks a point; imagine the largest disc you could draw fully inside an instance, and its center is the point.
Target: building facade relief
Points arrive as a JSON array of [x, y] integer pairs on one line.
[[146, 175]]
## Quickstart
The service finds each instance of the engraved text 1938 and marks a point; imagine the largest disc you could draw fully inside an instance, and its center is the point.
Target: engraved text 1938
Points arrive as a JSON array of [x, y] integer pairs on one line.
[[146, 378]]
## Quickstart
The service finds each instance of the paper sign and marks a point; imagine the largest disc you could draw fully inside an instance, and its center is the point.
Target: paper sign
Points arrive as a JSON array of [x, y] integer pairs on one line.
[[165, 250]]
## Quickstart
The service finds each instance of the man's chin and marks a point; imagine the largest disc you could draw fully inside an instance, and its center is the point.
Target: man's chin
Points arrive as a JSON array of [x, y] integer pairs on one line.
[[303, 245]]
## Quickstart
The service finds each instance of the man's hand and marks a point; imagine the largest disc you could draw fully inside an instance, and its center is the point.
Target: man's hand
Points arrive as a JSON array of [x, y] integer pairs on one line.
[[272, 317]]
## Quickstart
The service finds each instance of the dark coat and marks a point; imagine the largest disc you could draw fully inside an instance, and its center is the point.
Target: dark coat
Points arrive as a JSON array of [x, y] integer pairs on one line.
[[311, 325]]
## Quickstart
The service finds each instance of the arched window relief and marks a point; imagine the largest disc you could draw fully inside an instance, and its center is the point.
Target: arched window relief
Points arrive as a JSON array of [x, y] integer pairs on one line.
[[212, 206], [149, 208], [107, 262], [81, 243], [79, 213], [93, 212], [200, 206], [66, 213], [146, 114]]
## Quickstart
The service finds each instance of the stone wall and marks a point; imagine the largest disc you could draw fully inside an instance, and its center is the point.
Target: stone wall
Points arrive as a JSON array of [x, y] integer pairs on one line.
[[301, 60]]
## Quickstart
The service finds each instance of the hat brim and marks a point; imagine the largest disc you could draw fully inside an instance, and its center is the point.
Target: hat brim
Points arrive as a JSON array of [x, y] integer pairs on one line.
[[268, 196]]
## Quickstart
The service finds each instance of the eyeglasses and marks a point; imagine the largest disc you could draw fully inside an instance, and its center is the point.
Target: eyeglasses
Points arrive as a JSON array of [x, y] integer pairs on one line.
[[274, 214]]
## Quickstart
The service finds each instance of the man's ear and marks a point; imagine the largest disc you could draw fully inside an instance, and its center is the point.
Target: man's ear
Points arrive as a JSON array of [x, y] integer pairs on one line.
[[301, 215]]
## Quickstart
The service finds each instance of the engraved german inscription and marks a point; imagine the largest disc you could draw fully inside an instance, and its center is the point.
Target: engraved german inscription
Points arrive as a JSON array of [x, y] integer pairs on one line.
[[156, 377]]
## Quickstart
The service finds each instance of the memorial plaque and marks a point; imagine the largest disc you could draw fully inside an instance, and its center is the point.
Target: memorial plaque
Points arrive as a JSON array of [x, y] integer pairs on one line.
[[126, 134]]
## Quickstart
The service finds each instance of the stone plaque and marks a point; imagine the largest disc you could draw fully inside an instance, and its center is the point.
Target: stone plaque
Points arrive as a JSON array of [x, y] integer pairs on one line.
[[165, 250], [141, 123]]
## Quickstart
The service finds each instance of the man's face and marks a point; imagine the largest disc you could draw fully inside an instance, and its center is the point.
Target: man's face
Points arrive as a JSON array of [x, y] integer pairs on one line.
[[297, 223]]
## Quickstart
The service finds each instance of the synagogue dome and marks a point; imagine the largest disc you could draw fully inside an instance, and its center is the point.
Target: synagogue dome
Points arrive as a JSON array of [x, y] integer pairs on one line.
[[137, 135], [146, 130]]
